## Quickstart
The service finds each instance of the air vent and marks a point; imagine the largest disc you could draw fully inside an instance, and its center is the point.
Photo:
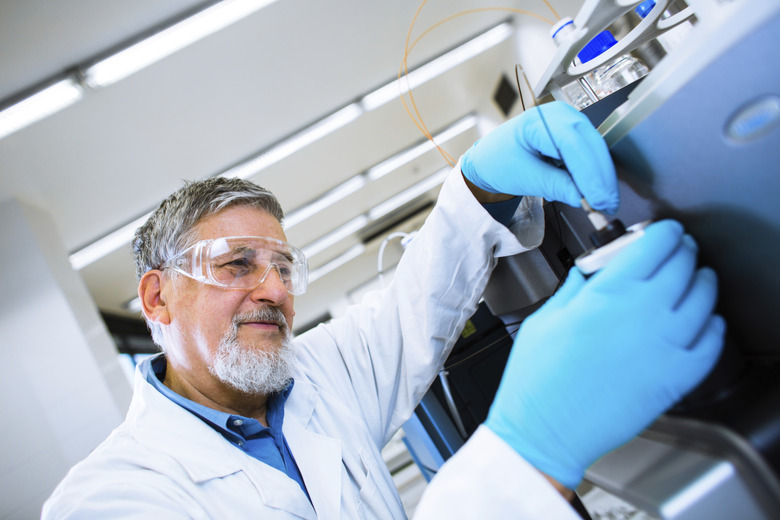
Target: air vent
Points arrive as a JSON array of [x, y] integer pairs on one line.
[[505, 95]]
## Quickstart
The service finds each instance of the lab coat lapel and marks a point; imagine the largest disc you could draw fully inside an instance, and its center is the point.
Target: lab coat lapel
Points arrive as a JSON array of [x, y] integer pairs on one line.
[[205, 454], [158, 422], [279, 491], [318, 456]]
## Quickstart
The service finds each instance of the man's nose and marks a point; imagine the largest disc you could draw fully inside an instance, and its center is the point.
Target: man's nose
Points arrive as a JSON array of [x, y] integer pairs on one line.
[[271, 287]]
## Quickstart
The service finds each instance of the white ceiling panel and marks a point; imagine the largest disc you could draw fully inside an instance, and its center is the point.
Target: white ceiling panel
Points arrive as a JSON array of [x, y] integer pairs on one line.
[[116, 154], [40, 38]]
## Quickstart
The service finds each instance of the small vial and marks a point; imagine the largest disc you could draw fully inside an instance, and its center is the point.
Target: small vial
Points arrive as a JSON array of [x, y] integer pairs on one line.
[[615, 74], [604, 80], [574, 92]]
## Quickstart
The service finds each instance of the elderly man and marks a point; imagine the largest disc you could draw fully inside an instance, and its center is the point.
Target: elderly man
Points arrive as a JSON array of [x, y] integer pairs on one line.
[[235, 419]]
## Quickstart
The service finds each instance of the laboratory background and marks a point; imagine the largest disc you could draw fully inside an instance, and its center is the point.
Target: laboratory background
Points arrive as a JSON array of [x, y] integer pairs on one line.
[[352, 112]]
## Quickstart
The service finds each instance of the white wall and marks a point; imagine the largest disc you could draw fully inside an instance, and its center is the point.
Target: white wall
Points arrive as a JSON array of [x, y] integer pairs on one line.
[[61, 387]]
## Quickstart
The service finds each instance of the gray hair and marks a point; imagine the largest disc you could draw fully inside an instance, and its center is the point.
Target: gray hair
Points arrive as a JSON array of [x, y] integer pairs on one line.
[[171, 227]]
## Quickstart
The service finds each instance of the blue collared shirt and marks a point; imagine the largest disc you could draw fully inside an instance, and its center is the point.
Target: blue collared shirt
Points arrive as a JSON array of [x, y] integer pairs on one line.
[[266, 444], [503, 212]]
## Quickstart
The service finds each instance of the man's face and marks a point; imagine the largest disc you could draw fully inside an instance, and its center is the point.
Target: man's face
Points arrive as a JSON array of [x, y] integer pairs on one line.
[[204, 316]]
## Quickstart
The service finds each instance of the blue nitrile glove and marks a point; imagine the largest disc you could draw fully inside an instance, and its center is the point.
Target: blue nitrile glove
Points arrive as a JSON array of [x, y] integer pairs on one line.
[[604, 357], [507, 160]]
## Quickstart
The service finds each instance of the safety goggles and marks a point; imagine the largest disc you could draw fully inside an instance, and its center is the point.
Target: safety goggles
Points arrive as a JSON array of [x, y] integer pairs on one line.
[[242, 263]]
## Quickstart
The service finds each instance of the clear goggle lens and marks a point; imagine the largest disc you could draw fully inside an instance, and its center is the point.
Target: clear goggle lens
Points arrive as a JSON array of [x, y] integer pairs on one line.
[[243, 263]]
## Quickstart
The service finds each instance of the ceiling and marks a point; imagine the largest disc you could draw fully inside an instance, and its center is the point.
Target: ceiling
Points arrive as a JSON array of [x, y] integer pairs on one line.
[[109, 159]]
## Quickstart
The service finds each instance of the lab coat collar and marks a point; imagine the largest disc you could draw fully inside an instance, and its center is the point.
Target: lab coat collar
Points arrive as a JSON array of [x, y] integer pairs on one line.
[[156, 421], [318, 456]]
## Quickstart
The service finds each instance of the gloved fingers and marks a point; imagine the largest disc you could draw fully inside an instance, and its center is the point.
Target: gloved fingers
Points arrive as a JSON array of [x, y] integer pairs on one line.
[[570, 288], [515, 175], [536, 135], [710, 344], [693, 311], [587, 157], [554, 184], [673, 279], [582, 148], [699, 360], [640, 260]]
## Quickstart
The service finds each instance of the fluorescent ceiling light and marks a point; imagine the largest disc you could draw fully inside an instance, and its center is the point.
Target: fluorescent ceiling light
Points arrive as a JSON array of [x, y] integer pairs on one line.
[[408, 195], [357, 224], [41, 104], [334, 237], [437, 67], [108, 244], [395, 162], [288, 147], [296, 143], [120, 237], [338, 193], [380, 170], [169, 40], [334, 264]]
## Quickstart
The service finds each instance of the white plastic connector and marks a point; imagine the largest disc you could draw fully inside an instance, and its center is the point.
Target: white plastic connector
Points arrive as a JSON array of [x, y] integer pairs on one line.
[[595, 259]]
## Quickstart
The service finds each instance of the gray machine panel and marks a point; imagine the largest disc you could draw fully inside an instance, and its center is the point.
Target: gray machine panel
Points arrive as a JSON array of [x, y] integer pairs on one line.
[[704, 158]]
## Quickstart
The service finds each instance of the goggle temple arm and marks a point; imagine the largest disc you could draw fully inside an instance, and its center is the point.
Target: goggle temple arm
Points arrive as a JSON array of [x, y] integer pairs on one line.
[[198, 269]]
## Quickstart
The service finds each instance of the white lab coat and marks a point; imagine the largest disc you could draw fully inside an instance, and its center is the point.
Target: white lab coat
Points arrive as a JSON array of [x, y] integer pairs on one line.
[[360, 378]]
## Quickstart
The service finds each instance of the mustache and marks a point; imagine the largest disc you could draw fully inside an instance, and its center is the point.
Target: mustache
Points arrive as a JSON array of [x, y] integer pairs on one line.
[[264, 314]]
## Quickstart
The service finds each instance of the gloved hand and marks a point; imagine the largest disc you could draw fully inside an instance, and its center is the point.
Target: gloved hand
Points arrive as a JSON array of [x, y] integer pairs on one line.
[[605, 356], [507, 160]]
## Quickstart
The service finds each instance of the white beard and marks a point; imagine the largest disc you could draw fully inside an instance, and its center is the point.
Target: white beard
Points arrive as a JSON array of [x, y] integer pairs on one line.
[[250, 369]]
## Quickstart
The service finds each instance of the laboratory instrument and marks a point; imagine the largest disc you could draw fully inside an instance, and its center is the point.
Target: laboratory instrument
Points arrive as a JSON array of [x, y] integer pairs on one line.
[[698, 140]]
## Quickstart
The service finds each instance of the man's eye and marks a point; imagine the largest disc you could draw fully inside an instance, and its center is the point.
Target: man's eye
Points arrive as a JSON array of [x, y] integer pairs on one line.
[[237, 265]]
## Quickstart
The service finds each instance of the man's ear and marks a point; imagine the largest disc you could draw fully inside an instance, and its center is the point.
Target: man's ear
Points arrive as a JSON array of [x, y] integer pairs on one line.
[[152, 301]]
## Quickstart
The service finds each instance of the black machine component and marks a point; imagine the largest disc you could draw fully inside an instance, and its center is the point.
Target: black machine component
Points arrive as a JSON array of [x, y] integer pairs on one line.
[[473, 370], [459, 400], [601, 237]]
